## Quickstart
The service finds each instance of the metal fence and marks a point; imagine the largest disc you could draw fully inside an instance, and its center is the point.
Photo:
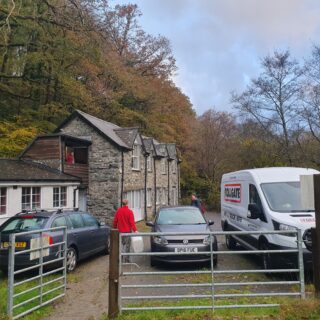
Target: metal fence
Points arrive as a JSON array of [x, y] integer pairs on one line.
[[215, 291], [34, 286]]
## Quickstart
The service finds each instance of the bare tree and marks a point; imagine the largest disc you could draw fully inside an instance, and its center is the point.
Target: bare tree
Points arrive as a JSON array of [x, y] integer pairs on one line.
[[273, 98]]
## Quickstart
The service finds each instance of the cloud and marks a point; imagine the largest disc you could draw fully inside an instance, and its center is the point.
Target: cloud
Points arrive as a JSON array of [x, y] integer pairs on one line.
[[218, 43]]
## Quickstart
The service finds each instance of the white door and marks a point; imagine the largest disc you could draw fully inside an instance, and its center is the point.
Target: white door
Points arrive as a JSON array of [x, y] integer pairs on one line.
[[136, 205]]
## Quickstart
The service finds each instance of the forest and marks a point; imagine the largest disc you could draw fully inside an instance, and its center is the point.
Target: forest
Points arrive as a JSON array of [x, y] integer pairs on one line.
[[61, 55]]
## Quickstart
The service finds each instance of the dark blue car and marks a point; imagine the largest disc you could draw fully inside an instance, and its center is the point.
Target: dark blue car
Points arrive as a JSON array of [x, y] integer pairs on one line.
[[86, 236]]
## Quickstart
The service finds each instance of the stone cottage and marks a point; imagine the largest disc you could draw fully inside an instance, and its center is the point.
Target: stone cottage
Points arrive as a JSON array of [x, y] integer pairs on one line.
[[113, 163]]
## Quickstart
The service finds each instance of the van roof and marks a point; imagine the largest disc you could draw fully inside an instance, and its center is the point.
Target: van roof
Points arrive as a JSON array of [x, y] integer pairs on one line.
[[273, 174]]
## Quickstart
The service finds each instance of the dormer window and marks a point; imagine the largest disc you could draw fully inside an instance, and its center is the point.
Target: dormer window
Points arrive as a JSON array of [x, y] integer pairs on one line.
[[136, 157]]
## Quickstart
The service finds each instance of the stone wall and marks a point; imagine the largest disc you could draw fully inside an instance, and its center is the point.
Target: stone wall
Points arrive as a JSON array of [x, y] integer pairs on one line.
[[162, 182], [103, 194]]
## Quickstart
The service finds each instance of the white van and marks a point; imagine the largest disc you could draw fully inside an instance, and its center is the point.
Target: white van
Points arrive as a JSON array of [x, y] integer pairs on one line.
[[263, 200]]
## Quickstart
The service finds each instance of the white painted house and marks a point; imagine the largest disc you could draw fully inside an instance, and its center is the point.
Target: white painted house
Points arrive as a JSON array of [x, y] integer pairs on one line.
[[28, 185]]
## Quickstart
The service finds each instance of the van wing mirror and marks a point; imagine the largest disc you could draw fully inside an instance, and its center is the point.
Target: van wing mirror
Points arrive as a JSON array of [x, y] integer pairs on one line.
[[254, 211]]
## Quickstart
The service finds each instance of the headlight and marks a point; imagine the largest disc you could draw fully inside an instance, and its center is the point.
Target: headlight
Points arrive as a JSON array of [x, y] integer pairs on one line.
[[160, 240], [285, 227]]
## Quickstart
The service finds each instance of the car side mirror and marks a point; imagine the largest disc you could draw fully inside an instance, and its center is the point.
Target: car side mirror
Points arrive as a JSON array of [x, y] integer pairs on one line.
[[102, 223], [149, 223], [254, 211], [210, 222]]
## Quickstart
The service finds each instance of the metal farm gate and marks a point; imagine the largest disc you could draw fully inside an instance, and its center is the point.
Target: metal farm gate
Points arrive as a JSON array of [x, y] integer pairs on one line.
[[44, 281], [212, 288]]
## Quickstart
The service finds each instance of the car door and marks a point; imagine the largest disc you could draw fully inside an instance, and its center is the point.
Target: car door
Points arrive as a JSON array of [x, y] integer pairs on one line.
[[97, 238], [81, 235]]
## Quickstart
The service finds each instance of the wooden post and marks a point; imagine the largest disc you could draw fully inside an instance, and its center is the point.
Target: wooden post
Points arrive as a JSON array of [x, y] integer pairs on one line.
[[315, 234], [113, 308]]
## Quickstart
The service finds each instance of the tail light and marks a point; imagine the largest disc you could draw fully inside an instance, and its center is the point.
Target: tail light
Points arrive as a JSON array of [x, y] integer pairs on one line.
[[50, 239]]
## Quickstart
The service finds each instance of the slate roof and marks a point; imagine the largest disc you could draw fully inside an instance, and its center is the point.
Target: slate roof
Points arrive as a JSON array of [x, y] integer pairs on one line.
[[161, 150], [172, 153], [148, 144], [20, 170], [127, 135]]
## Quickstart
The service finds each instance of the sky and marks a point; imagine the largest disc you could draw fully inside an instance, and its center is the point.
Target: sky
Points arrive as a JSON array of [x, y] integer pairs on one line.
[[218, 44]]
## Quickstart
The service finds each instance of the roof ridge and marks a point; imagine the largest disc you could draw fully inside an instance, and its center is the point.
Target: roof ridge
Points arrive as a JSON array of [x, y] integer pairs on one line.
[[99, 119]]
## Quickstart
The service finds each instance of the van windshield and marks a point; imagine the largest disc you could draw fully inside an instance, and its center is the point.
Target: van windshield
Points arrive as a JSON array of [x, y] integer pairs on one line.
[[284, 196]]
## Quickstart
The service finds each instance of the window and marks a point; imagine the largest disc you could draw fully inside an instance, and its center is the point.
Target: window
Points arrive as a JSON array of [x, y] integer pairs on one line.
[[174, 167], [164, 196], [149, 200], [149, 163], [3, 200], [76, 155], [163, 166], [136, 157], [60, 197], [59, 222], [76, 220], [174, 196], [142, 198], [31, 198], [90, 221], [158, 200], [255, 198]]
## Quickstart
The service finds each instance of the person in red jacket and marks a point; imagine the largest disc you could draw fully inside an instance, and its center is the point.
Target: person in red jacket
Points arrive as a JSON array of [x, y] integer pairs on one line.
[[124, 222]]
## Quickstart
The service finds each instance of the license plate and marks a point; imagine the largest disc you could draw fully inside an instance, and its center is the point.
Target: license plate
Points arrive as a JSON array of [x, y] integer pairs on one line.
[[5, 245], [185, 249]]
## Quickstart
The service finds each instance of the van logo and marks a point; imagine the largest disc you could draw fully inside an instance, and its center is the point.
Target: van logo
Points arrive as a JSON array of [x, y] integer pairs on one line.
[[185, 241], [232, 192]]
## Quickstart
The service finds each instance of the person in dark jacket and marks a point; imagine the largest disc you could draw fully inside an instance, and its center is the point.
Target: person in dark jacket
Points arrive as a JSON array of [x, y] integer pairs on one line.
[[195, 202], [124, 222]]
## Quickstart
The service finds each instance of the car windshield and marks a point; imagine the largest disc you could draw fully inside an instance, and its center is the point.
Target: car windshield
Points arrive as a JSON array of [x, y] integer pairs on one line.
[[21, 224], [284, 196], [180, 216]]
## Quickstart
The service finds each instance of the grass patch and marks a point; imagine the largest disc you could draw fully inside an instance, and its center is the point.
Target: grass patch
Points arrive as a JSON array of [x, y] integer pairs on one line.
[[37, 314], [290, 309], [142, 227]]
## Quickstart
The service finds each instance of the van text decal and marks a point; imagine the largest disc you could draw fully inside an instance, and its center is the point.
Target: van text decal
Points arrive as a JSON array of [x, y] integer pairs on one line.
[[232, 192]]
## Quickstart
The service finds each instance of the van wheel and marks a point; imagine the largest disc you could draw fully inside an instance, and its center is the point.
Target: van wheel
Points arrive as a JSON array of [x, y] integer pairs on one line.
[[231, 243], [267, 262]]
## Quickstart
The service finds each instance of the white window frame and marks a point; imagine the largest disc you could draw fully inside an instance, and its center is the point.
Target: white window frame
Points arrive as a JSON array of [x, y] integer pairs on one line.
[[163, 166], [62, 203], [149, 163], [31, 195], [135, 157], [149, 198], [3, 194]]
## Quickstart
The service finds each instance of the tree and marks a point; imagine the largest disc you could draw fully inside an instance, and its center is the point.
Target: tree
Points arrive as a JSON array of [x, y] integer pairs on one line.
[[272, 99], [213, 139]]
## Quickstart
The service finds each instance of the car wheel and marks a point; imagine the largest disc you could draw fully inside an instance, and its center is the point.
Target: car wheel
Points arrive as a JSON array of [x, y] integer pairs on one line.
[[231, 243], [72, 259], [267, 262], [153, 263]]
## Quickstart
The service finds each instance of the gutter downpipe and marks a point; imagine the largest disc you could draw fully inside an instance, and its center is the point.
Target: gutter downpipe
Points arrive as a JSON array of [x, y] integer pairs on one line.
[[155, 186], [145, 186], [122, 177], [168, 182]]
